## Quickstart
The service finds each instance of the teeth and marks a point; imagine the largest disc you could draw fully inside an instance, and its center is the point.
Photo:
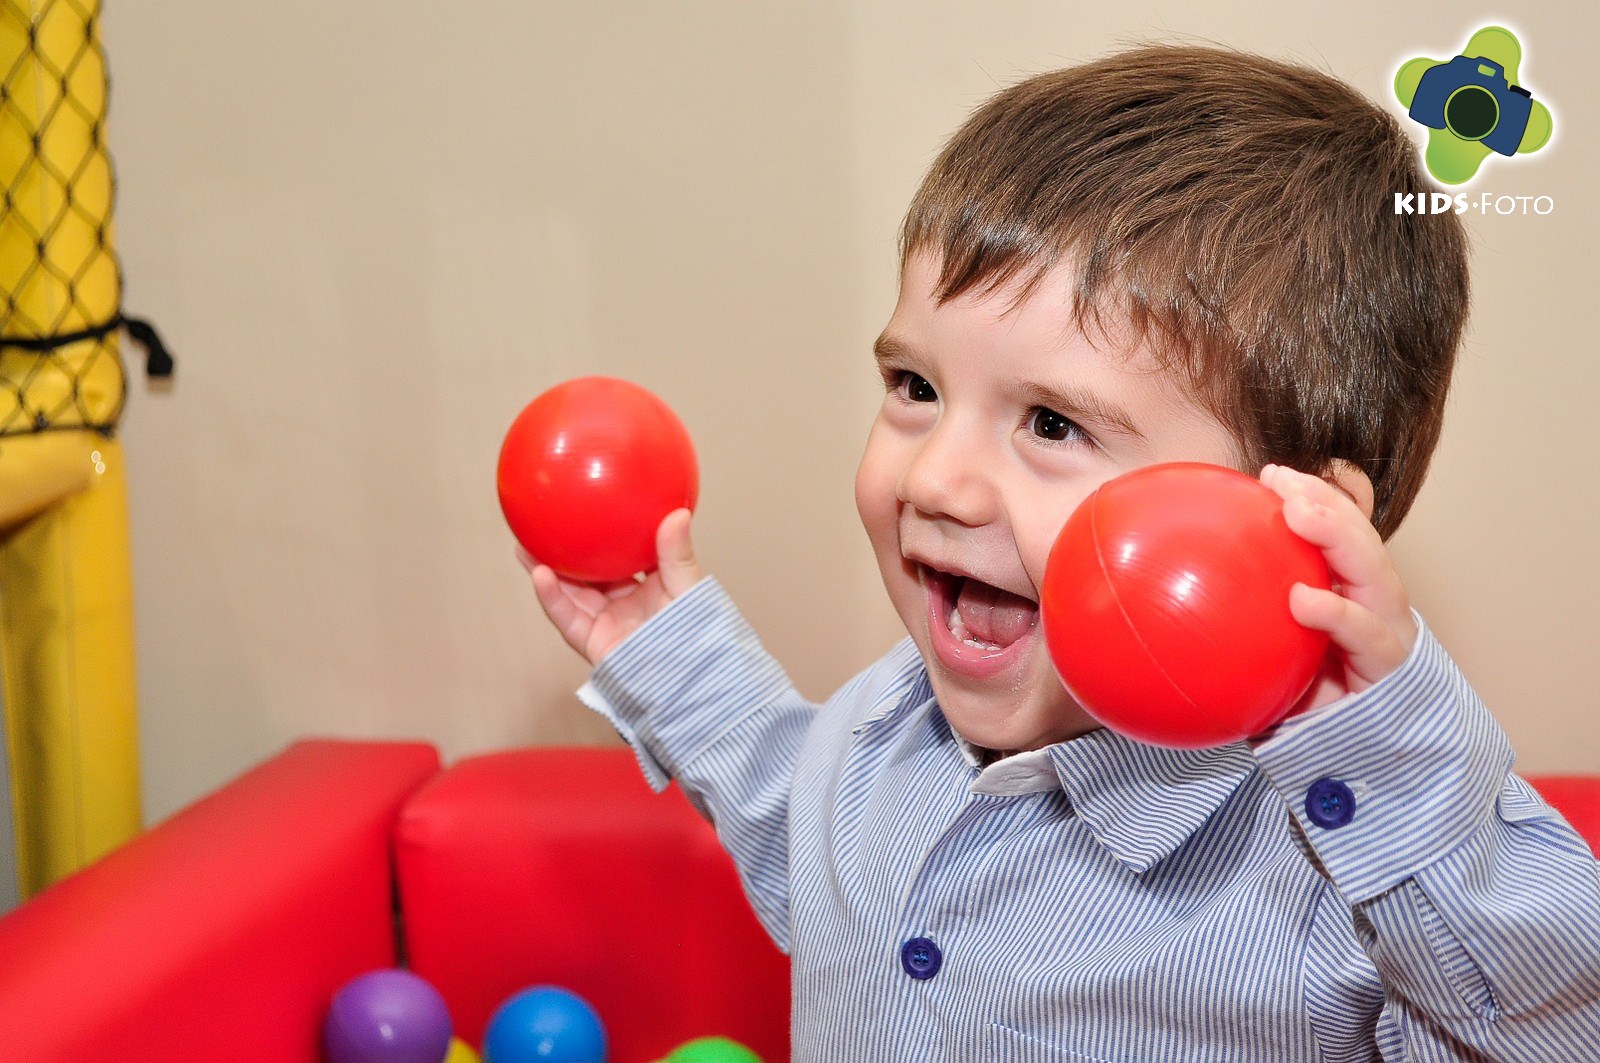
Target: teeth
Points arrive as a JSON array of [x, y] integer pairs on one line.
[[958, 628]]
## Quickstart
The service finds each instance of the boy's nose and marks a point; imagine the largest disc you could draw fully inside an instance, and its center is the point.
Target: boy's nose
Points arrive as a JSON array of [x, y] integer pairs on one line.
[[946, 477]]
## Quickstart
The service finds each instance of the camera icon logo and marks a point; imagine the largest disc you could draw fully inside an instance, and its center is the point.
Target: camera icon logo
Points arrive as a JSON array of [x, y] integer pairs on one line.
[[1471, 97], [1472, 105]]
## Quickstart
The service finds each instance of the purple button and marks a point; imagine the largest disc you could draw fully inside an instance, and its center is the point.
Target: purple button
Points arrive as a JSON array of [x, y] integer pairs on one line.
[[921, 958], [1330, 804]]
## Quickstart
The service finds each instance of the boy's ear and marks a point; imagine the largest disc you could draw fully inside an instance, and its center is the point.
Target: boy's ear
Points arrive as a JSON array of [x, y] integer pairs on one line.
[[1349, 478]]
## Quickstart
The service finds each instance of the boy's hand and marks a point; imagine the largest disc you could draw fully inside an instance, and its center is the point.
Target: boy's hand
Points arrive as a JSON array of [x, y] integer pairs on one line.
[[1367, 614], [595, 617]]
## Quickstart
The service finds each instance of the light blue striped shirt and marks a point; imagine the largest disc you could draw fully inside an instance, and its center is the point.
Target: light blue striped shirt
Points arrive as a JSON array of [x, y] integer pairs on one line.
[[1105, 900]]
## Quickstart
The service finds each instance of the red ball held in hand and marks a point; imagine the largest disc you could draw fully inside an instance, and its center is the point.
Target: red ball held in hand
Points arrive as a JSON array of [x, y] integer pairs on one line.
[[1166, 606], [587, 472]]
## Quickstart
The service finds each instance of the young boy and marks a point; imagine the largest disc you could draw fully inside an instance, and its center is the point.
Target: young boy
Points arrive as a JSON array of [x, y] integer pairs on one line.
[[1169, 254]]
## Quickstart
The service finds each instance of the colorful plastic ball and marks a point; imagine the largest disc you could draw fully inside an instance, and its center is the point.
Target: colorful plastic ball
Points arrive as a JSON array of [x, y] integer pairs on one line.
[[1166, 606], [460, 1052], [586, 473], [712, 1050], [389, 1016], [544, 1024]]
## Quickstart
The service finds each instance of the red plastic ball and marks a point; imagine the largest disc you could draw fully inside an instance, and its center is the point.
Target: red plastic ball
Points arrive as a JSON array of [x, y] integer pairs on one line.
[[1166, 606], [587, 472]]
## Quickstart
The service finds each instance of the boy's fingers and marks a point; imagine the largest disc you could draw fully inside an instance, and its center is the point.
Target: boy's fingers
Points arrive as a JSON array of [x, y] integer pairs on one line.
[[565, 613], [1291, 483], [1362, 567], [1371, 646], [576, 609], [675, 553], [1328, 518], [1354, 551], [621, 588]]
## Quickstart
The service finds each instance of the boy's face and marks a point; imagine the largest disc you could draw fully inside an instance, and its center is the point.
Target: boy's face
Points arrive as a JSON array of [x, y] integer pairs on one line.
[[997, 422]]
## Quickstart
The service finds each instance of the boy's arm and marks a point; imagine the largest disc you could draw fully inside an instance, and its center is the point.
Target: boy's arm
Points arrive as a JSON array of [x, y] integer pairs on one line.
[[1478, 904], [701, 701], [687, 684]]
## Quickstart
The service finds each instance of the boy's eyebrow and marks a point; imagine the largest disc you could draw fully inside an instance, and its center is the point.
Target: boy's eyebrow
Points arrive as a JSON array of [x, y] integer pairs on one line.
[[888, 349], [1065, 399], [1079, 404]]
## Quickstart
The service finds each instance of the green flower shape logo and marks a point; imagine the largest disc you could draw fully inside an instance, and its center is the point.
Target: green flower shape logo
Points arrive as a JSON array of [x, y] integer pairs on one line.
[[1472, 105]]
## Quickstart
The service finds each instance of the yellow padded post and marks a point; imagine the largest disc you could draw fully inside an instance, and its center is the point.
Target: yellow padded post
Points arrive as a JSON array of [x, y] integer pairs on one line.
[[66, 609]]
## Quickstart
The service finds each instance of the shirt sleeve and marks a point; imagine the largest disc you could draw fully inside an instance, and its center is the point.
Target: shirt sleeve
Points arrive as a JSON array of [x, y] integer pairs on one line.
[[701, 701], [1478, 904]]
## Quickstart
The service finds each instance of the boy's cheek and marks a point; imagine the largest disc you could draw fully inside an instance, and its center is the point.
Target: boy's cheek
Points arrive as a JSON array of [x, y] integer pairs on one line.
[[877, 476], [1037, 538]]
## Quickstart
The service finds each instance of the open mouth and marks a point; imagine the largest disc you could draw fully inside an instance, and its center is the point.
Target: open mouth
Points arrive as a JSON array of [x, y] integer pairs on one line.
[[976, 628]]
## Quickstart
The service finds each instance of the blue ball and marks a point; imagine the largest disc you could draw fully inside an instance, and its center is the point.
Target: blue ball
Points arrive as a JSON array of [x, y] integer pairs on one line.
[[544, 1024]]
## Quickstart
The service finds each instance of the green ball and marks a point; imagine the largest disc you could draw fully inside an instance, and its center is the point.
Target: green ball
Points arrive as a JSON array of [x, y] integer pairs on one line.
[[712, 1050]]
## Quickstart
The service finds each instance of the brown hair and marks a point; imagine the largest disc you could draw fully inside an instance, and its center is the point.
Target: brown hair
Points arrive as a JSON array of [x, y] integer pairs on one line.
[[1240, 211]]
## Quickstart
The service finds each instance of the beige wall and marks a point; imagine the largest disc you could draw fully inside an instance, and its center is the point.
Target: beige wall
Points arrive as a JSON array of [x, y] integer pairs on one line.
[[373, 229]]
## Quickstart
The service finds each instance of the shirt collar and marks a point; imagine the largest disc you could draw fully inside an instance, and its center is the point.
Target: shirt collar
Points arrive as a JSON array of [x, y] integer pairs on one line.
[[1142, 802], [906, 688]]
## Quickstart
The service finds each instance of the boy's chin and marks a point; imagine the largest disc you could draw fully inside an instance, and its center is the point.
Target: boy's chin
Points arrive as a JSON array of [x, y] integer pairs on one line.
[[992, 739], [992, 743]]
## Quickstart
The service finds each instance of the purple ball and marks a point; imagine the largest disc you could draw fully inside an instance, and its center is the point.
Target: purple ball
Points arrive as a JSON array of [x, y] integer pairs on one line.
[[387, 1017]]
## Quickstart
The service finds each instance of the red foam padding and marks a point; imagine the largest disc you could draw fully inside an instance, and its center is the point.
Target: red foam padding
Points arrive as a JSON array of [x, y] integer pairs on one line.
[[1576, 797], [222, 933], [561, 867]]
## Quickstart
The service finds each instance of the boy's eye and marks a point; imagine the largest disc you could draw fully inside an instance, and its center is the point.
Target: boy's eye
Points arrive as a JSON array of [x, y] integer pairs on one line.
[[916, 388], [1048, 424]]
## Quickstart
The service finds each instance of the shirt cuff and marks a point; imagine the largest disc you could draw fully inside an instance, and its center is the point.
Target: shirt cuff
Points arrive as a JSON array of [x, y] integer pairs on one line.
[[1388, 781], [683, 679]]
